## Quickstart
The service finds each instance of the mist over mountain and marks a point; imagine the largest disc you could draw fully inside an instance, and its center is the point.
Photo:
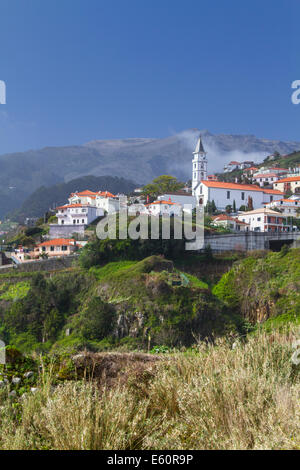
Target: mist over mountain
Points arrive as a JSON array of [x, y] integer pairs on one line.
[[134, 159]]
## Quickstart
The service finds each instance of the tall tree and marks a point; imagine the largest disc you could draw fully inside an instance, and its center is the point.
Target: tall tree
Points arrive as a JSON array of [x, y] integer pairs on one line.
[[162, 184]]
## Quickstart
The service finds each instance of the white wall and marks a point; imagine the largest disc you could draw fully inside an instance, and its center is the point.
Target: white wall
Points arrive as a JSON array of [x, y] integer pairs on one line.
[[78, 215], [219, 195], [108, 204], [180, 199]]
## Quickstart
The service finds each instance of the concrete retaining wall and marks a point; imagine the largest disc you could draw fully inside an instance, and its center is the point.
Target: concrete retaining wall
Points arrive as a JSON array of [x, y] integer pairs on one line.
[[65, 231], [248, 241], [51, 264]]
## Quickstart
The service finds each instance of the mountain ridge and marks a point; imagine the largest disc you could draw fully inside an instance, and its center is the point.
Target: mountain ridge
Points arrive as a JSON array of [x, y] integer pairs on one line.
[[135, 159]]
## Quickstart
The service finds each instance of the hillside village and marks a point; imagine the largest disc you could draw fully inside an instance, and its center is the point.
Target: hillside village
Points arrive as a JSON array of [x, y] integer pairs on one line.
[[261, 198]]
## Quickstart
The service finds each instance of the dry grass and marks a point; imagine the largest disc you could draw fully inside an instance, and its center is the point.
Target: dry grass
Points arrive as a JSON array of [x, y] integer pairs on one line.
[[219, 398]]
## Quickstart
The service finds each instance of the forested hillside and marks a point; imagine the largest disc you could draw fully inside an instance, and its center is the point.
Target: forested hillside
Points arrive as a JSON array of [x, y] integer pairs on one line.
[[106, 304], [49, 197]]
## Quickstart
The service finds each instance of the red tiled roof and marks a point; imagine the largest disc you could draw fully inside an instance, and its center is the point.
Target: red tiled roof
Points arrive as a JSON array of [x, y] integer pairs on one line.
[[59, 242], [251, 168], [223, 217], [273, 191], [68, 206], [222, 185], [239, 186], [292, 201], [105, 194], [281, 169], [289, 180], [228, 217], [162, 202], [266, 175], [86, 192]]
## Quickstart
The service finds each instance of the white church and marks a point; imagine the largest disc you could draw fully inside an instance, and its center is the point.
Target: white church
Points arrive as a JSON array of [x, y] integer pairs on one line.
[[225, 194]]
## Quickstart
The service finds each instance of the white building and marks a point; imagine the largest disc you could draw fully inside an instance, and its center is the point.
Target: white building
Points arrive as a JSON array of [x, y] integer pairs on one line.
[[199, 165], [263, 179], [231, 223], [226, 194], [267, 170], [164, 208], [289, 207], [186, 200], [231, 166], [57, 247], [265, 220], [101, 199], [77, 214]]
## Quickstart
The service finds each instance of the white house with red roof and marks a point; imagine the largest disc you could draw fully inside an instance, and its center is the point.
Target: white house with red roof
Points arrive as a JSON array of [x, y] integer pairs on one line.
[[265, 220], [289, 207], [250, 171], [104, 200], [164, 208], [233, 165], [57, 247], [186, 200], [263, 179], [226, 194], [77, 214], [288, 184], [231, 223]]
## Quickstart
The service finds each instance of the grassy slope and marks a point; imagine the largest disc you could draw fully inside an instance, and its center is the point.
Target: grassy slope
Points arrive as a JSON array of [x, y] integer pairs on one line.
[[214, 398]]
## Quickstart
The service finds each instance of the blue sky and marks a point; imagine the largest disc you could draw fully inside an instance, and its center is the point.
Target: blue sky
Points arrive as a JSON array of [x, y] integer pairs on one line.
[[78, 70]]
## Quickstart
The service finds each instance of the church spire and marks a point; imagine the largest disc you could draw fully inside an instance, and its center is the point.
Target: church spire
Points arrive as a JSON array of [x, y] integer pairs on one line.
[[199, 165], [199, 146]]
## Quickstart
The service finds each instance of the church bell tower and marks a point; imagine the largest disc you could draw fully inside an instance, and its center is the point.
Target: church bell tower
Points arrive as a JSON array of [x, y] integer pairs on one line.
[[199, 165]]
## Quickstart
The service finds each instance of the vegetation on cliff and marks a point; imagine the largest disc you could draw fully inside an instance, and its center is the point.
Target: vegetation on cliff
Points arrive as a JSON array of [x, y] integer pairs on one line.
[[265, 286]]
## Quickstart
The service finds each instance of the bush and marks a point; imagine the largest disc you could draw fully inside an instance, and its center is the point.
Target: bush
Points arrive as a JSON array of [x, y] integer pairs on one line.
[[97, 321]]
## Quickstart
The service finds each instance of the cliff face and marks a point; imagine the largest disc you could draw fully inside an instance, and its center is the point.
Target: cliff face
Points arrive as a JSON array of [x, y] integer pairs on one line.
[[264, 286]]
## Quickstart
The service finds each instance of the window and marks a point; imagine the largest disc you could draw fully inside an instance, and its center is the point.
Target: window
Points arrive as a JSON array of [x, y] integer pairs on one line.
[[62, 222], [243, 196], [74, 221], [51, 248], [228, 194], [83, 221], [271, 198], [64, 248], [258, 219]]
